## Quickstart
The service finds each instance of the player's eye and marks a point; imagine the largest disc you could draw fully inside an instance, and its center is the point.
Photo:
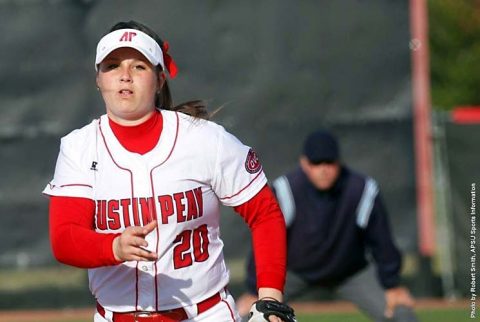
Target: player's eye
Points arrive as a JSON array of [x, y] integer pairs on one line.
[[106, 66], [111, 66], [140, 67]]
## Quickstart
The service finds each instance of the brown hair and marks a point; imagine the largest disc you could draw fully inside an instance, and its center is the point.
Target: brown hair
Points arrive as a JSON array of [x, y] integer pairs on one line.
[[163, 99]]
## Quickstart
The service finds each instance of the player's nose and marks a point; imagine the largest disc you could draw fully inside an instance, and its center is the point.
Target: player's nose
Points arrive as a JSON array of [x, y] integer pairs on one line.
[[125, 75]]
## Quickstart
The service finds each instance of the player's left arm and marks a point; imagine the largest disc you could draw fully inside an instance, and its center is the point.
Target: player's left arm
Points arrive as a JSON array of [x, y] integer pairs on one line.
[[237, 178], [264, 217], [265, 220]]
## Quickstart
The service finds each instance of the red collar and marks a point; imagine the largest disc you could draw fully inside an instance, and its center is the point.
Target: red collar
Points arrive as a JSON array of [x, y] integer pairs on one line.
[[140, 138]]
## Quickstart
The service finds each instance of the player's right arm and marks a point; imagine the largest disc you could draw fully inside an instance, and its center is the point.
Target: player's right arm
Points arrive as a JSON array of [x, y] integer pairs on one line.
[[73, 238], [75, 242]]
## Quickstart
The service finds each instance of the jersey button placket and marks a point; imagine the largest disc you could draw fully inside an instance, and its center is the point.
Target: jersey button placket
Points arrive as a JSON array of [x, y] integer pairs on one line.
[[143, 190]]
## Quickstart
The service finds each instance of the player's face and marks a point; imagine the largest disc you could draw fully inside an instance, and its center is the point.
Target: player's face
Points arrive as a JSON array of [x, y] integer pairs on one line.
[[323, 175], [128, 83]]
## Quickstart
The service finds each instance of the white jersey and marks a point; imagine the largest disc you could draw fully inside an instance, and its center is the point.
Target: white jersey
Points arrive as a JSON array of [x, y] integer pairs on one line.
[[195, 166]]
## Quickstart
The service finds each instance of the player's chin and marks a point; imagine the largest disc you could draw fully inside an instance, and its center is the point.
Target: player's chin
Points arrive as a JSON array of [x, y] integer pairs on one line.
[[323, 185]]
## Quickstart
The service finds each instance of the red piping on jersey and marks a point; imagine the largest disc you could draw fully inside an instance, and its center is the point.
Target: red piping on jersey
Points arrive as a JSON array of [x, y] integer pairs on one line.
[[229, 197], [111, 156], [71, 185], [136, 287], [155, 208], [76, 185], [133, 194], [230, 309]]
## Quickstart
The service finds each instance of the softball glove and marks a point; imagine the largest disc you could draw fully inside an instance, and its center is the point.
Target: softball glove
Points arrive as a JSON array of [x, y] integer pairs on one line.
[[262, 309]]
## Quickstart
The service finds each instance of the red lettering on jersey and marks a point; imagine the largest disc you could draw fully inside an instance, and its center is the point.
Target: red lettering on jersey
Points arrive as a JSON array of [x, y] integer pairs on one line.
[[199, 197], [123, 213], [126, 212], [166, 207], [148, 211], [101, 215], [200, 243], [179, 206], [113, 215], [128, 36], [191, 245], [192, 210], [136, 216], [181, 252]]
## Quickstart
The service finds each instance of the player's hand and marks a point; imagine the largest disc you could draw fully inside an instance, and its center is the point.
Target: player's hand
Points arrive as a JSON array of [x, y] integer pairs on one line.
[[275, 319], [397, 296], [130, 245], [244, 303]]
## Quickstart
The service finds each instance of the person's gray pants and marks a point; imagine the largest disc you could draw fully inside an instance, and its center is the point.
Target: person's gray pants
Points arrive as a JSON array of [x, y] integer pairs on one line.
[[362, 289]]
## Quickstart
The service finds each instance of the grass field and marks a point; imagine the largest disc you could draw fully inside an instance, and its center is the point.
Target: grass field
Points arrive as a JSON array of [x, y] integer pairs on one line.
[[444, 315]]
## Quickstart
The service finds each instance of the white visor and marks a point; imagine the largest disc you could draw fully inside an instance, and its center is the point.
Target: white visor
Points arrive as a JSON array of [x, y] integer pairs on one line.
[[132, 38]]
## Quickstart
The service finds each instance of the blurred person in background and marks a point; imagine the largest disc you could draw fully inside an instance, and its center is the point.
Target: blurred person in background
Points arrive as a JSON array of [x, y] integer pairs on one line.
[[338, 236]]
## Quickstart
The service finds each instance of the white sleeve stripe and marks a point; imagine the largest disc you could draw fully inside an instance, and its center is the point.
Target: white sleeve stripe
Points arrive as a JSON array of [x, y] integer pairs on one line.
[[285, 199], [367, 200]]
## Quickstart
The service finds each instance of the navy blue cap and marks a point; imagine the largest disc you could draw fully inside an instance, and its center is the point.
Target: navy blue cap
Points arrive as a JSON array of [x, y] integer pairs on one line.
[[321, 146]]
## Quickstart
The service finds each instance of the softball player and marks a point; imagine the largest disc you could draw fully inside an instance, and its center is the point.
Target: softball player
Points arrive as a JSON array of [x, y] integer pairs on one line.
[[136, 193]]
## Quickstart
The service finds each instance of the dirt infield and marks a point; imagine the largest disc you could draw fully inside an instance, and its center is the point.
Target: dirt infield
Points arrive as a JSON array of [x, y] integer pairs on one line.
[[300, 307], [50, 315]]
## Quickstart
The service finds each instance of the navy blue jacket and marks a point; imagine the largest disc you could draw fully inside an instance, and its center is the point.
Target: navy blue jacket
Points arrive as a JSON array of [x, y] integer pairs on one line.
[[331, 234]]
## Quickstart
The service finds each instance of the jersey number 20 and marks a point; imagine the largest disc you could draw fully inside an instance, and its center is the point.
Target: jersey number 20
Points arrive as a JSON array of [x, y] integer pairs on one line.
[[184, 253]]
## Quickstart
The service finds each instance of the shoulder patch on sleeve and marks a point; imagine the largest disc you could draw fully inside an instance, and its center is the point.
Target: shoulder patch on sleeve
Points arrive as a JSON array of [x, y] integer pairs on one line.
[[252, 164]]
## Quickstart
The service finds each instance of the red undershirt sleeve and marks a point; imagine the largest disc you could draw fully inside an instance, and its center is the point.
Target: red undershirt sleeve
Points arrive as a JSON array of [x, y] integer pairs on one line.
[[72, 236], [266, 222]]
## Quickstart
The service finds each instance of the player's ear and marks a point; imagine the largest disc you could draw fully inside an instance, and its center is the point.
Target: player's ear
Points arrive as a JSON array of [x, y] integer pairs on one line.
[[304, 163], [97, 82]]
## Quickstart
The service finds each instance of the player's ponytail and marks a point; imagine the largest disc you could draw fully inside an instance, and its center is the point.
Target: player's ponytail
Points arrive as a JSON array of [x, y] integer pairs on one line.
[[163, 98]]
